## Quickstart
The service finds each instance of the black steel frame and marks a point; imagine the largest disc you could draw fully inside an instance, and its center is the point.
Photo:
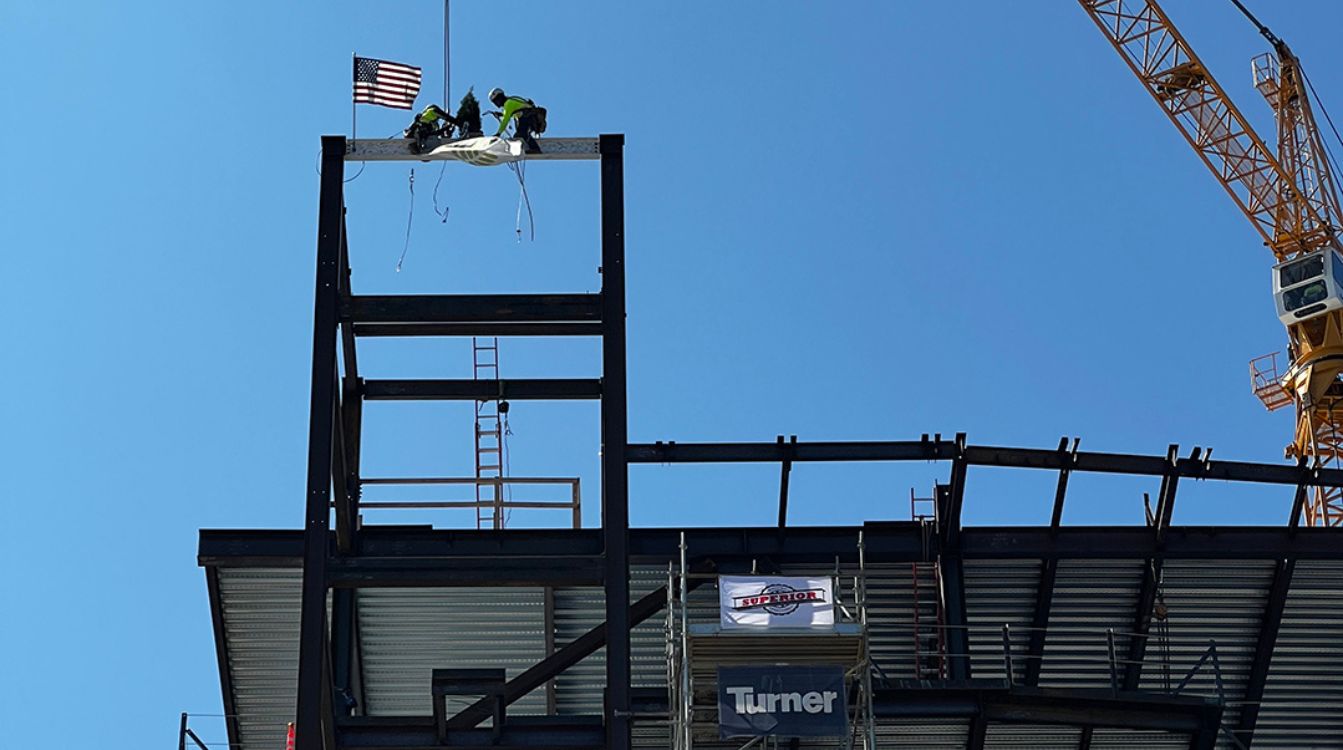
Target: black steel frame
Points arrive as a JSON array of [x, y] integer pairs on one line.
[[348, 557], [328, 664]]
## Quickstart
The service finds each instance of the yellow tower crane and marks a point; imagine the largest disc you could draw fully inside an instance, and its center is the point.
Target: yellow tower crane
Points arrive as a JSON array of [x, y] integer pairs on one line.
[[1289, 198]]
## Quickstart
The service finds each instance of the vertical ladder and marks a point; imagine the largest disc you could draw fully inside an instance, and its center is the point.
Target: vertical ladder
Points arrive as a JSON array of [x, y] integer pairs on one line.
[[489, 438], [930, 634]]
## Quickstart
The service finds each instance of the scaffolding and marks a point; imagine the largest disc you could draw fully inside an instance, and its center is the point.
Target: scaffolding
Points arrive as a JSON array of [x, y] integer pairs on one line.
[[696, 649]]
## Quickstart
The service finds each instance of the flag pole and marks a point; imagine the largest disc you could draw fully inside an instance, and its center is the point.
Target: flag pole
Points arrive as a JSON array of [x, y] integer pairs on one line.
[[354, 123], [447, 70]]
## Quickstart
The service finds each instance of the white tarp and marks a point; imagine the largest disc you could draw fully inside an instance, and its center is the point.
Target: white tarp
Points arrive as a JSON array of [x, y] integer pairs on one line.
[[485, 151], [773, 601]]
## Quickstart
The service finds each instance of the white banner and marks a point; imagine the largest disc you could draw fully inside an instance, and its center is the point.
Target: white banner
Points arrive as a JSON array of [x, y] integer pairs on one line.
[[774, 602], [485, 151]]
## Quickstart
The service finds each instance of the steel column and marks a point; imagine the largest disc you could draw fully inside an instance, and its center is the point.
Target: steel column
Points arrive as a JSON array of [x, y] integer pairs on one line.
[[951, 566], [1049, 571], [615, 469], [313, 690], [1151, 582], [1269, 626]]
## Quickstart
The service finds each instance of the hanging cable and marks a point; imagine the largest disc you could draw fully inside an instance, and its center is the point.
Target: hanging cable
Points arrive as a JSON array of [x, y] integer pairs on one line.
[[317, 167], [1328, 152], [520, 170], [444, 213], [1270, 36], [409, 218]]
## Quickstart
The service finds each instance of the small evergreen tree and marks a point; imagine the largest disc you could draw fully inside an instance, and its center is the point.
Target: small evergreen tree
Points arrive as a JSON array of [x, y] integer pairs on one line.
[[468, 115]]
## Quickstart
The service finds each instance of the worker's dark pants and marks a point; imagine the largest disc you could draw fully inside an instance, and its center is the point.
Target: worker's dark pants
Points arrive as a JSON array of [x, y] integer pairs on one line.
[[526, 128]]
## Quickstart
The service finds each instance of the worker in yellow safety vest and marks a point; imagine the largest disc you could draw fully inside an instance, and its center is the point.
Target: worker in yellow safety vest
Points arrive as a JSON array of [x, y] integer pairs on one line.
[[429, 123], [531, 119]]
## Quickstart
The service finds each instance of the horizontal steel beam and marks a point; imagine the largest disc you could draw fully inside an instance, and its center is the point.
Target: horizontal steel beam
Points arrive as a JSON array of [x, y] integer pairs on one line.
[[945, 450], [398, 149], [562, 389], [896, 542], [419, 733], [971, 699], [496, 309], [398, 572], [576, 328]]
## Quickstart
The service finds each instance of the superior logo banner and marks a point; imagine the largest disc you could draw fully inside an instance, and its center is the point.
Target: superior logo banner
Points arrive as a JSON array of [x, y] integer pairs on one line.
[[771, 601], [782, 701]]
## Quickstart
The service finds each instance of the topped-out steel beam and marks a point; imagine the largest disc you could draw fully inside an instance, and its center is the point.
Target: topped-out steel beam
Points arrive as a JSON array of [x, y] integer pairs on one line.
[[398, 149], [945, 450]]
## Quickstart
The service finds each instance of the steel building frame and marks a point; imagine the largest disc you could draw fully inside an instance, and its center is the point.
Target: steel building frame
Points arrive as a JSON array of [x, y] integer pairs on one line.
[[337, 561], [341, 317]]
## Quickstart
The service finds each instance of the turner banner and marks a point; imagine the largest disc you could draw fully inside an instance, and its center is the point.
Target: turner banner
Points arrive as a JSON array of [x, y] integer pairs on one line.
[[782, 702], [771, 601]]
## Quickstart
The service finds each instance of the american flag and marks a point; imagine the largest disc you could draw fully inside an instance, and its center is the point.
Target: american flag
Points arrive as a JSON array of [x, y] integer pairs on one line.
[[386, 83]]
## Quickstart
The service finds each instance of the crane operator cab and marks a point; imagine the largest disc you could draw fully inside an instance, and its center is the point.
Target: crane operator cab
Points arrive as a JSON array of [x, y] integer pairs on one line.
[[1308, 286]]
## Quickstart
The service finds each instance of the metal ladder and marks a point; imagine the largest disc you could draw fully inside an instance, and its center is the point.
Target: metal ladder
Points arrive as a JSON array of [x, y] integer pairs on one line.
[[489, 438], [930, 635]]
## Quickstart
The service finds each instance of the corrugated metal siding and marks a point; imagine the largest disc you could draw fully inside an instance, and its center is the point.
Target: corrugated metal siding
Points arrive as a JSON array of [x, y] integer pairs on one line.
[[890, 617], [1124, 739], [1089, 596], [917, 734], [997, 593], [261, 611], [1031, 737], [1303, 698], [579, 609], [406, 633], [1210, 601]]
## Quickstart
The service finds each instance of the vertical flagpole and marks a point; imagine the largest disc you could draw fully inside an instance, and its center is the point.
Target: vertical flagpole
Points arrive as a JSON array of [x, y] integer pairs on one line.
[[354, 66], [447, 69]]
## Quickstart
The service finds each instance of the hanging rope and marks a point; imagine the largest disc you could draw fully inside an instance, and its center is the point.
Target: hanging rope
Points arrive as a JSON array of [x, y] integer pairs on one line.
[[409, 218], [520, 170], [444, 213]]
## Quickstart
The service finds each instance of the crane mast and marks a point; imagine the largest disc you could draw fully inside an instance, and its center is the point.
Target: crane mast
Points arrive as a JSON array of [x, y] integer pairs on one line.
[[1288, 196]]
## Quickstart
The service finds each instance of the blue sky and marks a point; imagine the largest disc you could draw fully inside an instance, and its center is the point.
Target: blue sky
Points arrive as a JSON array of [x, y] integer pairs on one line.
[[845, 221]]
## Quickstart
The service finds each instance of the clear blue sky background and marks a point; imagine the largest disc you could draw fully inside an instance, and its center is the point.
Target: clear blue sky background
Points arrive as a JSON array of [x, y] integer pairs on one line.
[[845, 221]]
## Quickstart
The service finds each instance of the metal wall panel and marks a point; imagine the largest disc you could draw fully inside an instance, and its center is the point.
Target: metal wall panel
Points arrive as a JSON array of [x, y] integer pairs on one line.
[[997, 593], [1209, 601], [260, 609], [890, 617], [1303, 698], [1031, 737], [406, 633], [1126, 739], [1089, 597]]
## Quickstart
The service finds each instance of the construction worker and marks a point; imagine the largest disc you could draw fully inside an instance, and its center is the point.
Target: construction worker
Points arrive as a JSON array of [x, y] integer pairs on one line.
[[431, 122], [531, 118]]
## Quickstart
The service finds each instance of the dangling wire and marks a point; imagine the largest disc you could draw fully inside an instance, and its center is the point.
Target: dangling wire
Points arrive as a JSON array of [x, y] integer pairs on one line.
[[508, 470], [409, 218], [317, 167], [520, 169], [444, 213]]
